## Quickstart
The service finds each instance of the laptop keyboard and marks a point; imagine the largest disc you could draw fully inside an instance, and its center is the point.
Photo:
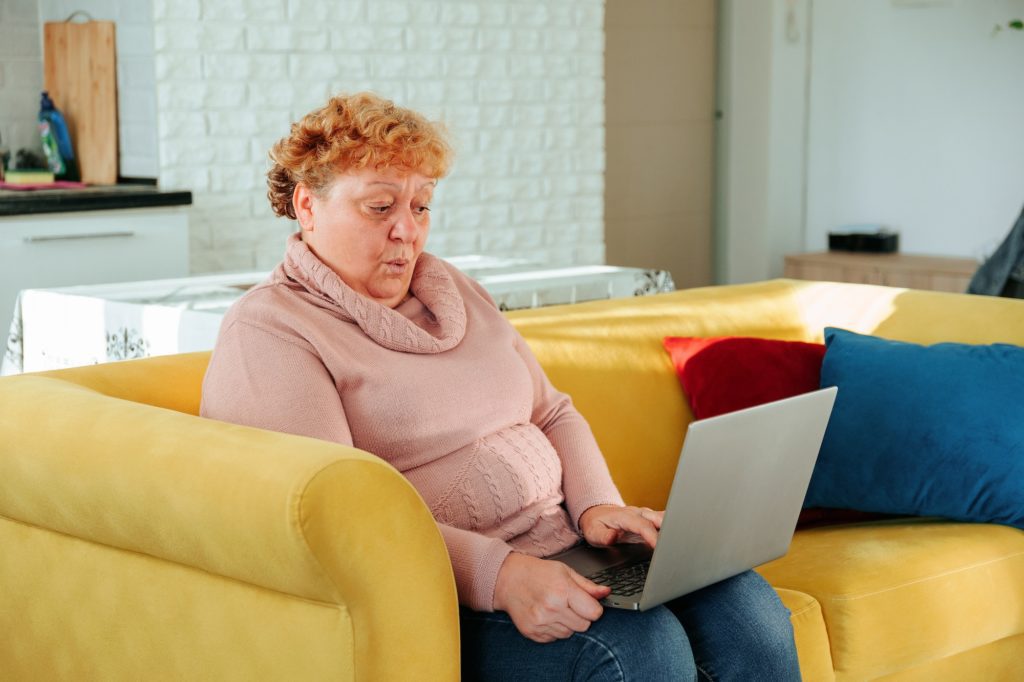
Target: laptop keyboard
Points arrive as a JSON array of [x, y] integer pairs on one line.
[[624, 580]]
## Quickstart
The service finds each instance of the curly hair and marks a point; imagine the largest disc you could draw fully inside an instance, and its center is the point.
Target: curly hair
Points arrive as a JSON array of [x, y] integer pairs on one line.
[[353, 131]]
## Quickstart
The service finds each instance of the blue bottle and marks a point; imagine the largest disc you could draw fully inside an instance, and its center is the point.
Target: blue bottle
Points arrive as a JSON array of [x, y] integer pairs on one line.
[[56, 141]]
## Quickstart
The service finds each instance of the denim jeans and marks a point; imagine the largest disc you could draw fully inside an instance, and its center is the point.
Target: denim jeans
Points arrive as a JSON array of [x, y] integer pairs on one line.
[[736, 629]]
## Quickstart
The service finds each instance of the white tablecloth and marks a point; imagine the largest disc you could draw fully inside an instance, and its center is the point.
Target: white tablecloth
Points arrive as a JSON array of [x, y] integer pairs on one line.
[[72, 326]]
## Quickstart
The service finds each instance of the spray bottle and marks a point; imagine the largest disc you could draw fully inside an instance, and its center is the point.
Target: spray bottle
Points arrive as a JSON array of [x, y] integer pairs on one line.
[[56, 141]]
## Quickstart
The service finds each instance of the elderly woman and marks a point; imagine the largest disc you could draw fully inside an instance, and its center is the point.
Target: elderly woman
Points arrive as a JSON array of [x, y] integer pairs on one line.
[[361, 337]]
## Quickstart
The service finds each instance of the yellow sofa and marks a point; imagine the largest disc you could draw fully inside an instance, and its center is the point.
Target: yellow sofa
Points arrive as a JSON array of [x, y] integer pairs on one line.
[[138, 541]]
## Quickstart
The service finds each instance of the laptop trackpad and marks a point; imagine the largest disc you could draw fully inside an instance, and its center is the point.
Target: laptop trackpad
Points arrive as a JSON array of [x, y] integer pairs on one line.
[[587, 560]]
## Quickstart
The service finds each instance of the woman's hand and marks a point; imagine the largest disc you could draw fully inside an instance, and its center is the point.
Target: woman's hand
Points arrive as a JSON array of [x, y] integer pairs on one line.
[[608, 524], [546, 600]]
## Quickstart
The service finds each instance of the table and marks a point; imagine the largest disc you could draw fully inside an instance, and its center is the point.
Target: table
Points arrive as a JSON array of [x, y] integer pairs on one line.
[[935, 273], [81, 325]]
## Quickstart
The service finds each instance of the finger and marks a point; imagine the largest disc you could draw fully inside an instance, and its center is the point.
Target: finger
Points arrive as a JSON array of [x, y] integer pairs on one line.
[[576, 623], [649, 533], [593, 589], [558, 631], [602, 537], [633, 522], [583, 601], [655, 517]]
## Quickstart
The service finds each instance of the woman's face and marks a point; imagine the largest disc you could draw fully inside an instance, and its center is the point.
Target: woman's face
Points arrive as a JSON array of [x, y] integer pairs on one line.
[[370, 227]]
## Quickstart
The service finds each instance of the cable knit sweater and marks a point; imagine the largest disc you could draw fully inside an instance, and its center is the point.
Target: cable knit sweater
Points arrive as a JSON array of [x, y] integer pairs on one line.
[[442, 387]]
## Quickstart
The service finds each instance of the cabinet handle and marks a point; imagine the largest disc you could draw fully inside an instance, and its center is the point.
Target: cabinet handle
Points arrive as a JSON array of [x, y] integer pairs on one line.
[[84, 235]]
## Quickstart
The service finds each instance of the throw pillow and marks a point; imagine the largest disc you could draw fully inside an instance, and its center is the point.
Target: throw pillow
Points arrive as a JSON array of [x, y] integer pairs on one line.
[[925, 430], [728, 373], [725, 374]]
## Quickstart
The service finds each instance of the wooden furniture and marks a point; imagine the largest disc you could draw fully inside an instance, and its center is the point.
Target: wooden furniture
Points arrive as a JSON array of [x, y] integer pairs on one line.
[[935, 273], [80, 73]]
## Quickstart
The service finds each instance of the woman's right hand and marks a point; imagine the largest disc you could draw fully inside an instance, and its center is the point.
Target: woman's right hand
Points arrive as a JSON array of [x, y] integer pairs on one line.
[[546, 600]]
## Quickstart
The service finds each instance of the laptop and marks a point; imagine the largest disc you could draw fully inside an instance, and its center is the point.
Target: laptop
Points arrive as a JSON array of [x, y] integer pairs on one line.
[[738, 490]]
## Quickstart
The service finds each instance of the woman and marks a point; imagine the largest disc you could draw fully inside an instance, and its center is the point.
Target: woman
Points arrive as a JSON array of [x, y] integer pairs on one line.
[[362, 338]]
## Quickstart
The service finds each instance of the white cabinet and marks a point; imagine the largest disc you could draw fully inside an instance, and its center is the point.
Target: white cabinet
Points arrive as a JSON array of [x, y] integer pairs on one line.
[[89, 247]]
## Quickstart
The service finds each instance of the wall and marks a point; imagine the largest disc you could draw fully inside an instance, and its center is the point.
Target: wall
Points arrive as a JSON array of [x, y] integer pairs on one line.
[[920, 131], [21, 74], [761, 137], [660, 84], [900, 112], [742, 139], [519, 83]]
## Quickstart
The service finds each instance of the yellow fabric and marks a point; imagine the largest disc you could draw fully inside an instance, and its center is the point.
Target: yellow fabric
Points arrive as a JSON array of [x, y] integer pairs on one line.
[[171, 381], [141, 542], [897, 594], [810, 635], [77, 610], [281, 514], [1001, 661]]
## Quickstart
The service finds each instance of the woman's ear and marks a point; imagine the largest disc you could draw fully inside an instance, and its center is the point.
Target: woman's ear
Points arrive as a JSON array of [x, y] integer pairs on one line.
[[302, 203]]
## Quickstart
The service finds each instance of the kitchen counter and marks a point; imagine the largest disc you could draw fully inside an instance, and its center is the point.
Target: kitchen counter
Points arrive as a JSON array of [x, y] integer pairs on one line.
[[93, 235], [28, 202]]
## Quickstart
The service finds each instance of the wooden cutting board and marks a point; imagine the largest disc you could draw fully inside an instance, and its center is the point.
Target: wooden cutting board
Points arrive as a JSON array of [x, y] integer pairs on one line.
[[80, 73]]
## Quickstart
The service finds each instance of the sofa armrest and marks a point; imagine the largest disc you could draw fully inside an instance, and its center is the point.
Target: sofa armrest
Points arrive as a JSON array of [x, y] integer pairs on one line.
[[304, 517]]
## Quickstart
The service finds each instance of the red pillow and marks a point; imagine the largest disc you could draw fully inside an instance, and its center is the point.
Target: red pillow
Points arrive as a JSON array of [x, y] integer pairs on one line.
[[729, 373]]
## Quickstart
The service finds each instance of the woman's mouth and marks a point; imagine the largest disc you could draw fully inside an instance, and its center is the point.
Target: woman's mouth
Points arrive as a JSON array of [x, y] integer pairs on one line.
[[396, 266]]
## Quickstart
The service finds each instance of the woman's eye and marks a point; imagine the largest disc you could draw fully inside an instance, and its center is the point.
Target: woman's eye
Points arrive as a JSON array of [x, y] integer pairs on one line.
[[423, 210], [380, 209]]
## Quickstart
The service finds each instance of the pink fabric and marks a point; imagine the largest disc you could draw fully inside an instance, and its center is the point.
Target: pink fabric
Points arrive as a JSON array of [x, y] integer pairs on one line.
[[442, 387]]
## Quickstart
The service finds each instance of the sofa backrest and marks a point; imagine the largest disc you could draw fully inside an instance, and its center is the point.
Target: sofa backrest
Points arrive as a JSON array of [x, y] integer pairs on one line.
[[174, 382], [608, 354]]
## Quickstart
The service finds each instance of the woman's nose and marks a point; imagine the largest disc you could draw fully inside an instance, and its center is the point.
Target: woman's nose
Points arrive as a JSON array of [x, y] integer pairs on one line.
[[404, 228]]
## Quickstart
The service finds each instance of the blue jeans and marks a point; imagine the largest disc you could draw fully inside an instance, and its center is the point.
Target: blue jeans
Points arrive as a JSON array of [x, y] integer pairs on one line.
[[733, 630]]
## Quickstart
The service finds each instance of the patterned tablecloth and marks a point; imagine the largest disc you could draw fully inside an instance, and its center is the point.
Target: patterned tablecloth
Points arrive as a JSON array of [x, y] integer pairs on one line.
[[72, 326]]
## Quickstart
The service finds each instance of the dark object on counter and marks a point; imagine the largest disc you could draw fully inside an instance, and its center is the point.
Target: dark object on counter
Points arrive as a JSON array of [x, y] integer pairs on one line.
[[1003, 273], [4, 156], [26, 159], [864, 242]]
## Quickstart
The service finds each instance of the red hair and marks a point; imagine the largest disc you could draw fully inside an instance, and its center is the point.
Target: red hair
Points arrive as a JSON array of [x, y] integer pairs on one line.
[[353, 131]]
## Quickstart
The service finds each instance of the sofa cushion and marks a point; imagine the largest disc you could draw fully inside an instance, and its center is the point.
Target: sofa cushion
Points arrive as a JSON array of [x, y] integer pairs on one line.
[[810, 635], [925, 430], [896, 594], [728, 373]]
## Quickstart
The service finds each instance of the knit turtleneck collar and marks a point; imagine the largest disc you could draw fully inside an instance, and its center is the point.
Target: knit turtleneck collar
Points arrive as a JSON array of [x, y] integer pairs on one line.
[[431, 284]]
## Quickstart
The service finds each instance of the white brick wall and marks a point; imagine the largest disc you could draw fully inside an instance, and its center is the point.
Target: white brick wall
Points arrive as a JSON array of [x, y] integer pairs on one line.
[[21, 74], [519, 83]]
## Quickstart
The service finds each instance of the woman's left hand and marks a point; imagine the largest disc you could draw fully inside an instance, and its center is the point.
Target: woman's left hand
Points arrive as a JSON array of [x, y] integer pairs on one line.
[[608, 524]]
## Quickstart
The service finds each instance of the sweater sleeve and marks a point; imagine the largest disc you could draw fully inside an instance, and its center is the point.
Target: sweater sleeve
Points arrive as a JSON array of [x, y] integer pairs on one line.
[[586, 481], [476, 560], [259, 378]]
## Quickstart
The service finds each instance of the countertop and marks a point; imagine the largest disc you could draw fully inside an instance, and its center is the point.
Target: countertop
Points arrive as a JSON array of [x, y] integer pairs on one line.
[[112, 197]]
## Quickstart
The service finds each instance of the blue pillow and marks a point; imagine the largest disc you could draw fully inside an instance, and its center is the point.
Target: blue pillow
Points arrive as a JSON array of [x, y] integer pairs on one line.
[[923, 430]]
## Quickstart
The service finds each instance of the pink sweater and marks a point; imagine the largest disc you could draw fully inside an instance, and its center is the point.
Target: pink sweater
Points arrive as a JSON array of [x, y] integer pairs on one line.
[[441, 387]]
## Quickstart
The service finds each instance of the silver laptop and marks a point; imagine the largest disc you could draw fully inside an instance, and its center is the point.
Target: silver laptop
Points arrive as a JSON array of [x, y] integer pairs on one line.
[[737, 493]]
